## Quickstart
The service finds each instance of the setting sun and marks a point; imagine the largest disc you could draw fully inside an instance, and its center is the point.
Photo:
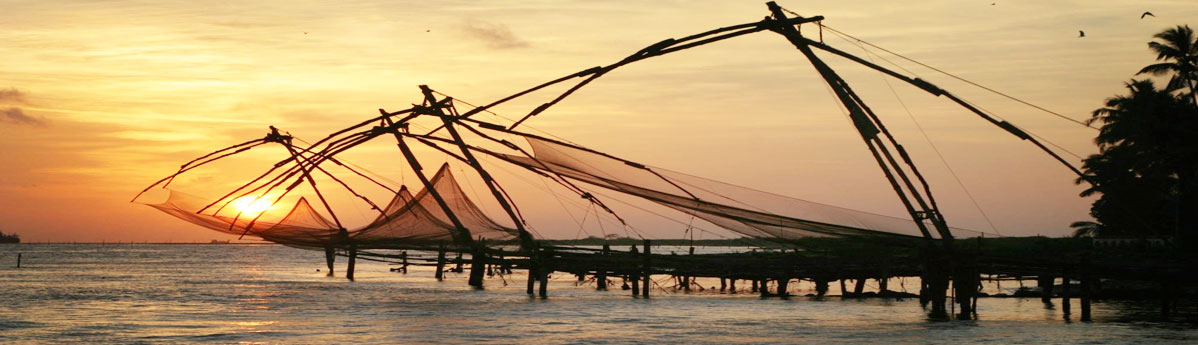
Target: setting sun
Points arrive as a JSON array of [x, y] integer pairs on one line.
[[251, 206]]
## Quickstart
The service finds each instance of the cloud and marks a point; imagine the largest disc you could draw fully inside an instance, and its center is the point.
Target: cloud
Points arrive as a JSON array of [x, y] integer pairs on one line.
[[12, 96], [16, 116], [495, 35]]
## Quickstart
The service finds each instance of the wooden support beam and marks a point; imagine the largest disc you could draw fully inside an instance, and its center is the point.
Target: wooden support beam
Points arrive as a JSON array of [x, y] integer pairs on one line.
[[532, 275], [353, 256], [543, 269], [1065, 294], [403, 257], [330, 255], [647, 269], [601, 273], [478, 263], [1085, 297], [1045, 282], [634, 276], [821, 286], [440, 274]]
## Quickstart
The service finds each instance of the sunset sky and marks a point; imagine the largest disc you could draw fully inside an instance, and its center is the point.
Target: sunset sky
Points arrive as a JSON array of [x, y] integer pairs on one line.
[[100, 98]]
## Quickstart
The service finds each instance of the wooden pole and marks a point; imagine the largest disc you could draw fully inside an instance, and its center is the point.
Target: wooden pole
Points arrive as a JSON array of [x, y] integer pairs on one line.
[[821, 286], [544, 278], [353, 256], [648, 271], [732, 286], [924, 289], [859, 287], [404, 257], [532, 270], [1085, 297], [543, 269], [782, 287], [1065, 294], [1045, 281], [19, 262], [478, 263], [440, 274], [844, 291], [686, 280], [330, 255], [723, 284], [601, 272], [526, 240], [634, 276]]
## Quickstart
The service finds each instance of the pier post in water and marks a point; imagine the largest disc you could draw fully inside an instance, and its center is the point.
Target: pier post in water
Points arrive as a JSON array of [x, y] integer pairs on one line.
[[732, 286], [821, 286], [647, 271], [1045, 281], [440, 274], [330, 255], [543, 269], [19, 263], [1085, 297], [601, 273], [403, 256], [532, 272], [634, 277], [353, 256], [478, 263], [1065, 294]]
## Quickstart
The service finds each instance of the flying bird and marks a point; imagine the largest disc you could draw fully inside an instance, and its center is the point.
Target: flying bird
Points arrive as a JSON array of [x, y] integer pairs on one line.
[[1081, 33], [1147, 14]]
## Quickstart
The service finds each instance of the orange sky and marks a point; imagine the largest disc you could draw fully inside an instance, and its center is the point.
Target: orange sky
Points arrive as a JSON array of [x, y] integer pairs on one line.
[[99, 99]]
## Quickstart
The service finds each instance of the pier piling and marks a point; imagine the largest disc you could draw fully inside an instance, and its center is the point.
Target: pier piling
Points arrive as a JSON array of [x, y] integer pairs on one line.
[[648, 273], [353, 256], [440, 274], [330, 256]]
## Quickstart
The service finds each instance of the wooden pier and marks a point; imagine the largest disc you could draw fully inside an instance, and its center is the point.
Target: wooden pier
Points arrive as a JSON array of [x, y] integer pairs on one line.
[[772, 271]]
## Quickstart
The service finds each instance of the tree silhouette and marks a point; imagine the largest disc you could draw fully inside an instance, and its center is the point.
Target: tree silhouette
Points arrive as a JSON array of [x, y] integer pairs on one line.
[[1179, 48], [1146, 170]]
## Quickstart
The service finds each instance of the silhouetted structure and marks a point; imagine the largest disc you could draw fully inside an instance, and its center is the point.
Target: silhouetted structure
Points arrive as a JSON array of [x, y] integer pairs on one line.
[[441, 218]]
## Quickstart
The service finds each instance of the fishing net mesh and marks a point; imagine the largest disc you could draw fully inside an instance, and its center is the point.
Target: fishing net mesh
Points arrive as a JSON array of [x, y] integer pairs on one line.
[[742, 210], [406, 220]]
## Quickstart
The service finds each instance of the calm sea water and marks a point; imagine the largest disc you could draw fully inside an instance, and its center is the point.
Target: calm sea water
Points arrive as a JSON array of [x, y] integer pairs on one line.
[[92, 293]]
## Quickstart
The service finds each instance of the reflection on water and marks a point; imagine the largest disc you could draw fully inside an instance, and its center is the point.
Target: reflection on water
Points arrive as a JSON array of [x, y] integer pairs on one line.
[[272, 294]]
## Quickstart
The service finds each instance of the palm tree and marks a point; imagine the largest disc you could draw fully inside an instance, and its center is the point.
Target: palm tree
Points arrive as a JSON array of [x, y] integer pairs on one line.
[[1145, 165], [1086, 229], [1179, 49]]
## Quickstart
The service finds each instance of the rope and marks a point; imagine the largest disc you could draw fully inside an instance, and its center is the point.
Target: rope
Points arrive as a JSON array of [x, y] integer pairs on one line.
[[935, 149], [1013, 98]]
